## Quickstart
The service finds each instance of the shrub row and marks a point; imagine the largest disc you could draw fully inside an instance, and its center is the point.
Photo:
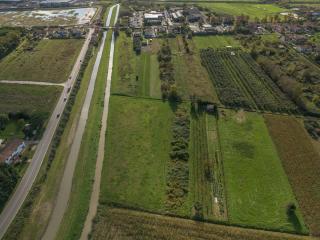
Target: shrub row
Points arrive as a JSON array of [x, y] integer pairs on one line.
[[178, 171]]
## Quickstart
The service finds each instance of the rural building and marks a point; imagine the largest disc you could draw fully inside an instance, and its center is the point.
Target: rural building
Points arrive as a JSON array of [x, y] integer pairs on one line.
[[11, 151], [193, 14], [149, 33], [153, 18]]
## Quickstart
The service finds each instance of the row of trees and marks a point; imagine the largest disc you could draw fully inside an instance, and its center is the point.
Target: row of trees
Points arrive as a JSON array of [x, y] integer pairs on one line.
[[168, 87], [8, 180]]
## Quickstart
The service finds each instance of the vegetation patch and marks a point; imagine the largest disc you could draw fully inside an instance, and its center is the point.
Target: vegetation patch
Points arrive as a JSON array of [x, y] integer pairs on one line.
[[301, 163], [137, 153], [47, 61], [258, 190]]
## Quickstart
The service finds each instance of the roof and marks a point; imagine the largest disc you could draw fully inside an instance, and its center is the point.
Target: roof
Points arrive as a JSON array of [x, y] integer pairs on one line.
[[9, 149], [153, 15]]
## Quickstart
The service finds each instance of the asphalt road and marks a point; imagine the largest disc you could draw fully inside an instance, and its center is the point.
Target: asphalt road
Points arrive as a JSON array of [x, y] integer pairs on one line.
[[94, 200], [61, 202], [22, 190]]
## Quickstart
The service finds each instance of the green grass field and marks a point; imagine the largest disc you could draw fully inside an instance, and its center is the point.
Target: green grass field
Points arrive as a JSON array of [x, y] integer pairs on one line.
[[49, 61], [215, 41], [133, 74], [28, 98], [137, 153], [257, 187], [237, 9]]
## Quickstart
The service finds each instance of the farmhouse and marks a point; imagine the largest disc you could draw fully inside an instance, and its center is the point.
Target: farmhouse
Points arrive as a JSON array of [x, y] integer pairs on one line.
[[11, 151]]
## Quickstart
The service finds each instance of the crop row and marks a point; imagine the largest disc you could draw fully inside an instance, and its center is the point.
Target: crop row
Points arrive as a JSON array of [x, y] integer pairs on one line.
[[241, 83]]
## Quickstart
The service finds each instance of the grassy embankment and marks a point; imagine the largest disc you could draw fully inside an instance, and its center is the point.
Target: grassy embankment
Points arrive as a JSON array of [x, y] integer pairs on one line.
[[48, 61], [74, 218], [33, 217], [257, 187], [135, 74], [238, 9]]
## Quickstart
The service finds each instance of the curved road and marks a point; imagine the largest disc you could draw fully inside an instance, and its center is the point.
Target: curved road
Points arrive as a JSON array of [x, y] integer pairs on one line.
[[94, 201], [12, 207], [61, 203]]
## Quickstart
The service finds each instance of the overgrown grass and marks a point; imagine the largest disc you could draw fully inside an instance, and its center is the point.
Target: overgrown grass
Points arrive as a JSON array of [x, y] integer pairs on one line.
[[28, 98], [48, 61], [257, 187], [137, 153]]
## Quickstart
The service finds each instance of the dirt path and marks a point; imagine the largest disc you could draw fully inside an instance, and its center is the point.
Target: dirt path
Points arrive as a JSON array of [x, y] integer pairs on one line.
[[94, 200], [32, 83]]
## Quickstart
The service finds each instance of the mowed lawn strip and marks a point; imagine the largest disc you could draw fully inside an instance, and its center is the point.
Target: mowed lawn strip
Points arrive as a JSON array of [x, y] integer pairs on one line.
[[257, 187], [301, 163], [202, 42], [137, 153], [48, 61], [28, 98]]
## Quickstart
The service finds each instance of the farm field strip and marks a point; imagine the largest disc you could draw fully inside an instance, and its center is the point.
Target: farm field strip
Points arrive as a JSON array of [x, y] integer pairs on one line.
[[117, 223], [301, 163], [215, 154], [239, 72]]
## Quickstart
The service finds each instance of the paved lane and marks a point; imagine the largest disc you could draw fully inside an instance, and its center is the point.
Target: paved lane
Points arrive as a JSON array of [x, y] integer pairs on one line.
[[33, 83]]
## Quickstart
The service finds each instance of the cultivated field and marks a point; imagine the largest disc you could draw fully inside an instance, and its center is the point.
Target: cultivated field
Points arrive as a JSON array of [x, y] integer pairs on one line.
[[47, 61], [27, 98], [137, 153], [240, 82], [57, 17], [257, 187], [237, 9], [301, 163], [115, 223], [136, 74], [206, 168]]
